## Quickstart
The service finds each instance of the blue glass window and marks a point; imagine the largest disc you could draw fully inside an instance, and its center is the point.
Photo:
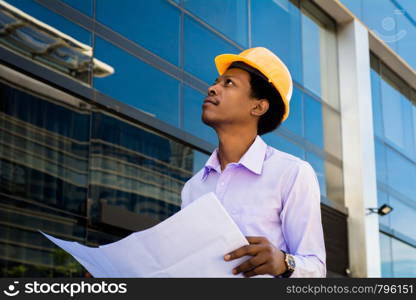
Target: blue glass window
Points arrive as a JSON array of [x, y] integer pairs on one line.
[[381, 161], [407, 121], [282, 144], [403, 217], [192, 116], [401, 174], [295, 120], [392, 114], [376, 97], [404, 259], [379, 16], [313, 121], [138, 84], [276, 25], [386, 257], [393, 24], [409, 7], [406, 37], [84, 6], [136, 169], [199, 160], [146, 23], [355, 6], [227, 16], [395, 122], [318, 165], [54, 20], [44, 151], [414, 129], [311, 55], [201, 47]]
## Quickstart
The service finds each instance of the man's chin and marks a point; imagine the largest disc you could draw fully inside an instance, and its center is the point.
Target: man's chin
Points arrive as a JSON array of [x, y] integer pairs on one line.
[[208, 121]]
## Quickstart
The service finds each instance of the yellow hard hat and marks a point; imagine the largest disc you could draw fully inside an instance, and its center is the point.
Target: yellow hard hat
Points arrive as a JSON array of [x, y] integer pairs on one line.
[[268, 64]]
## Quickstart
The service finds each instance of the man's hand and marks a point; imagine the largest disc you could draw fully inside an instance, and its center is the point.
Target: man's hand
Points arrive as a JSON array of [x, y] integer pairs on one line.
[[266, 259]]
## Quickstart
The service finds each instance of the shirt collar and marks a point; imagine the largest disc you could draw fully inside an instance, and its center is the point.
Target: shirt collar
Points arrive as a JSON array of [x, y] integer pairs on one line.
[[253, 159], [212, 163]]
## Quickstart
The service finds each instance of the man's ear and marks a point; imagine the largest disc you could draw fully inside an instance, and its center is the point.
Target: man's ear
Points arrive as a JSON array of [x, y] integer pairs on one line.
[[260, 108]]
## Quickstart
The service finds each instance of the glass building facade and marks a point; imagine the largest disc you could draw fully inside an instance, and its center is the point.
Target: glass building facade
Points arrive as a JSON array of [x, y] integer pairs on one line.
[[394, 116], [101, 125], [394, 21], [62, 166], [394, 119]]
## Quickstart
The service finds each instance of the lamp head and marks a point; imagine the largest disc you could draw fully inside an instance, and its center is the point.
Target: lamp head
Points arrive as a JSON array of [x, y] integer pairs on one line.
[[384, 210]]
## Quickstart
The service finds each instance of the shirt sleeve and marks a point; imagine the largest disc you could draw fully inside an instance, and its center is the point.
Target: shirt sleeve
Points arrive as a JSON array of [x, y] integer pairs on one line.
[[301, 223]]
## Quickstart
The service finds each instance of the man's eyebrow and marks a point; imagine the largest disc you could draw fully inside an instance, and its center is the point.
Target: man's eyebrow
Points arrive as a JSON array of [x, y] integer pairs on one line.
[[226, 77]]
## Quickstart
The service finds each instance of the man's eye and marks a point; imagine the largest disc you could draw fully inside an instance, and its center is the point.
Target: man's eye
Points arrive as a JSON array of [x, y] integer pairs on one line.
[[228, 82]]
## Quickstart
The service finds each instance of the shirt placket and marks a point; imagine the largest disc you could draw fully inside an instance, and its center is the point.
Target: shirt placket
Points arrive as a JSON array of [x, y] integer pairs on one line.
[[223, 181]]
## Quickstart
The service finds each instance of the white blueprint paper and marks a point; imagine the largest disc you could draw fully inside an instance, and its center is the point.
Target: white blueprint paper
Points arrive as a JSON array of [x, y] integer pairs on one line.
[[191, 243]]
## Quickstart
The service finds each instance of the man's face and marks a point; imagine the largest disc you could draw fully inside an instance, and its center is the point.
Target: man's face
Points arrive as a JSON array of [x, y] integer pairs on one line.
[[229, 101]]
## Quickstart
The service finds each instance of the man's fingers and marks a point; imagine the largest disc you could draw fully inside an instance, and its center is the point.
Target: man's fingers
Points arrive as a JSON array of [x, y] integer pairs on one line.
[[260, 270], [240, 252], [256, 239], [247, 250], [250, 264]]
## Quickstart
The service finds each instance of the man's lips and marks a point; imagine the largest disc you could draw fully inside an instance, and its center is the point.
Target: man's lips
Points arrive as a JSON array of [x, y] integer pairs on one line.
[[210, 100]]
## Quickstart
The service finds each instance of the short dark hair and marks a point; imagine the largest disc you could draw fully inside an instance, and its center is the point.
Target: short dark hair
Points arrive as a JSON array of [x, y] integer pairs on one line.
[[261, 88]]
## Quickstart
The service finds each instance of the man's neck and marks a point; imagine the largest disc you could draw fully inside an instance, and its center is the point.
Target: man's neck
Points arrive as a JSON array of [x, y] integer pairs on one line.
[[232, 146]]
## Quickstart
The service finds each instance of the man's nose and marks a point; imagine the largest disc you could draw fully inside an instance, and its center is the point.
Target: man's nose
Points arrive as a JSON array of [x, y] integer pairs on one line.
[[212, 91]]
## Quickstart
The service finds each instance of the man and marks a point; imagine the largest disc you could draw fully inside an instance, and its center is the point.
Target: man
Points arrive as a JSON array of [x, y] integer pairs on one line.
[[272, 196]]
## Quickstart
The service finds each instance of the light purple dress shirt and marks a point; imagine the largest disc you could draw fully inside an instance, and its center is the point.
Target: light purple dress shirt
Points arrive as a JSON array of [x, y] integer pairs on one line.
[[272, 194]]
